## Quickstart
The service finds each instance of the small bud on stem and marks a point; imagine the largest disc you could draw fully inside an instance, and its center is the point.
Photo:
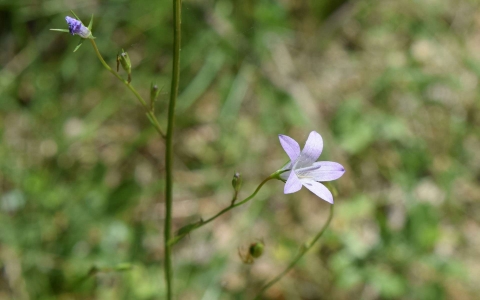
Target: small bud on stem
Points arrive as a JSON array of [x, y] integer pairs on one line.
[[124, 60], [154, 92], [236, 184]]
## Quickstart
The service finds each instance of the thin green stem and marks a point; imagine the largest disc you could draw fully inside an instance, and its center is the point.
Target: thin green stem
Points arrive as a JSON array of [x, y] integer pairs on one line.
[[238, 203], [303, 250], [177, 7], [192, 227], [150, 114]]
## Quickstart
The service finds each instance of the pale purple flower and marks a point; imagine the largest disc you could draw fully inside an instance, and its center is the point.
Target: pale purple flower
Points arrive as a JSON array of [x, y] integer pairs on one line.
[[76, 27], [304, 170]]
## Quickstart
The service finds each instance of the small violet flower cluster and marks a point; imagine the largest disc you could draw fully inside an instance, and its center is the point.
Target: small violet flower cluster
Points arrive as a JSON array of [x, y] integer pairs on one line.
[[304, 170], [76, 27]]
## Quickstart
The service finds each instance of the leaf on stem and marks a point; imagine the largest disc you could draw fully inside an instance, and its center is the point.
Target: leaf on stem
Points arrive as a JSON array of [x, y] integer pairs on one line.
[[182, 232], [187, 228], [75, 15], [154, 92], [78, 46], [61, 30], [90, 24]]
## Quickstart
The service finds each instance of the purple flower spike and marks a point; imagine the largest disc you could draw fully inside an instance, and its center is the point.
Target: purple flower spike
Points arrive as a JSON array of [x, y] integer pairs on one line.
[[76, 27], [304, 170]]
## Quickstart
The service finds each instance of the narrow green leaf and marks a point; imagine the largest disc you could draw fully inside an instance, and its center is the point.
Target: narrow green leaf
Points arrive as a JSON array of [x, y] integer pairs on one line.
[[78, 46], [90, 24], [76, 16], [187, 228], [61, 30]]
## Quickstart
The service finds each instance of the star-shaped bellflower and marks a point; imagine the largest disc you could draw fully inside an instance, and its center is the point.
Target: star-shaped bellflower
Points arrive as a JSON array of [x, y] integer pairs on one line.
[[304, 170]]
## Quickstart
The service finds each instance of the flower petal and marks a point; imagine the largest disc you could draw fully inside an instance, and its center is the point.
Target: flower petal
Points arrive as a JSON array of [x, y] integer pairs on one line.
[[312, 150], [285, 175], [290, 146], [293, 184], [327, 171], [318, 189]]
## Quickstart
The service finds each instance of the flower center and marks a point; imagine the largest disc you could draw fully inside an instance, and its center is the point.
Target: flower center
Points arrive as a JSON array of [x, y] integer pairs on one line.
[[303, 172]]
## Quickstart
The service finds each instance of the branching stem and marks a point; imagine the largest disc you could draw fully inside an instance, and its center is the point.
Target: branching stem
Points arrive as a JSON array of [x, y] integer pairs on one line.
[[149, 112], [194, 226]]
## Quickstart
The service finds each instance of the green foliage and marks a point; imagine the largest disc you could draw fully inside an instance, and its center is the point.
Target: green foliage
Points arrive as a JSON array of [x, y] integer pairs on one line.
[[392, 86]]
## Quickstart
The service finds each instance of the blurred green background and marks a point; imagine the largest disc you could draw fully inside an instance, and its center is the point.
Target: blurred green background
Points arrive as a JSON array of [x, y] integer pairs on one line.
[[392, 86]]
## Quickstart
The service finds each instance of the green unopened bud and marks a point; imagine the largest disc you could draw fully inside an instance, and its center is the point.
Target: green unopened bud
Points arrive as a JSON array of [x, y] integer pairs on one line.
[[124, 60], [256, 249], [154, 91], [237, 181]]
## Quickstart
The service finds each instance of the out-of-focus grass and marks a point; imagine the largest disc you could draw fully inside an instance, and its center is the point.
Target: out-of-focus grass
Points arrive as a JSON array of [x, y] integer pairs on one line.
[[392, 86]]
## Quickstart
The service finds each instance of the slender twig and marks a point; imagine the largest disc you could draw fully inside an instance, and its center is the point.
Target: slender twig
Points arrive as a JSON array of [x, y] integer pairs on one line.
[[177, 6], [149, 112], [303, 250], [191, 227]]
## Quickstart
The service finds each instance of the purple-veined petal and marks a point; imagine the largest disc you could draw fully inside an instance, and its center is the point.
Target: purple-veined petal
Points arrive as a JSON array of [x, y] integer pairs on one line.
[[318, 189], [312, 150], [293, 184], [290, 146], [326, 171]]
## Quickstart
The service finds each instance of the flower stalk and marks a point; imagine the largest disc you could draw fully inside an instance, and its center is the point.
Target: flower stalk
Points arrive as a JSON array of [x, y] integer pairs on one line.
[[191, 227], [303, 250], [177, 6], [149, 112]]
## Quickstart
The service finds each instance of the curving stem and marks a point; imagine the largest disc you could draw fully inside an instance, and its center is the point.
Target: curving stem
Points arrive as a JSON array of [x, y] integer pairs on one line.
[[299, 256]]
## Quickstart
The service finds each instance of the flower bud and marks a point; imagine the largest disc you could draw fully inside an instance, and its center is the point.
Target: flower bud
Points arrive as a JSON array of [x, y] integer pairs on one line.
[[237, 181], [154, 91], [76, 27], [124, 60]]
